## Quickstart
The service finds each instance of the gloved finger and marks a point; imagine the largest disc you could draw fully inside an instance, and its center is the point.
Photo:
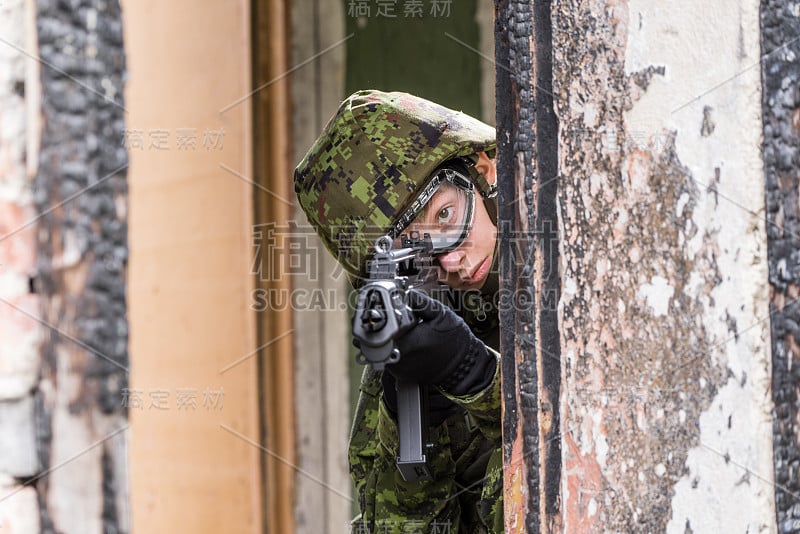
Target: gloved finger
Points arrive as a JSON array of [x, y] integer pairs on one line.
[[389, 392], [423, 306], [356, 343]]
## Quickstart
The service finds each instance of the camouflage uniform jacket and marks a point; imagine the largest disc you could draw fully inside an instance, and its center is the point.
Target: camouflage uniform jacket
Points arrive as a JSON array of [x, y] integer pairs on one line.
[[465, 493]]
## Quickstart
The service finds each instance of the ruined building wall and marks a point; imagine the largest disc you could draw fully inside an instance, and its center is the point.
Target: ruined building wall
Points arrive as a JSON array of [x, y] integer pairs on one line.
[[661, 265], [63, 366], [20, 333], [780, 71]]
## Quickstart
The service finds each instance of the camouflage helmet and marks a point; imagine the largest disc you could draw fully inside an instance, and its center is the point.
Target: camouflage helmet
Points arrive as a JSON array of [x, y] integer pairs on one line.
[[371, 159]]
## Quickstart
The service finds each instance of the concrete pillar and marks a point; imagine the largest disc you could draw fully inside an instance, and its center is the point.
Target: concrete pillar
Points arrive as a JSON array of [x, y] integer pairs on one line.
[[197, 445]]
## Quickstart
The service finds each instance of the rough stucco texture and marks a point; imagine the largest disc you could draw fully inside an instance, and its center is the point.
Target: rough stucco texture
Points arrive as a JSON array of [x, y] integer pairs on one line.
[[663, 257]]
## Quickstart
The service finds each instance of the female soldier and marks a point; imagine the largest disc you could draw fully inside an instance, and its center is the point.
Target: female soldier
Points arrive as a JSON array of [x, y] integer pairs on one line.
[[387, 164]]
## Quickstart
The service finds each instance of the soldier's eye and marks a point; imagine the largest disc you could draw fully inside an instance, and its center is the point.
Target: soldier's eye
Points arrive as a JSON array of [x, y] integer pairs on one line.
[[445, 214]]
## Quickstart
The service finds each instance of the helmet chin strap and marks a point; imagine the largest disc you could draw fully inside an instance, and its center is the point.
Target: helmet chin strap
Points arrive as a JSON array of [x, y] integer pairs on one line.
[[491, 208], [486, 189], [488, 192]]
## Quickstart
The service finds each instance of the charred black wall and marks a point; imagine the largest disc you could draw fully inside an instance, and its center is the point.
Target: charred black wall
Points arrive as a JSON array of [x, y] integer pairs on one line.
[[527, 164], [780, 44], [81, 197]]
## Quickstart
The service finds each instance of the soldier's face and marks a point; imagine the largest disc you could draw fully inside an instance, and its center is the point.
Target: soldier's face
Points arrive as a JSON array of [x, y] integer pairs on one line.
[[468, 266]]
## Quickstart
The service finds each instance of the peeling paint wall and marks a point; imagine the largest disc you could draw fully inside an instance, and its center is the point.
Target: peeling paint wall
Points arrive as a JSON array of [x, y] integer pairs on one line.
[[663, 316], [20, 334]]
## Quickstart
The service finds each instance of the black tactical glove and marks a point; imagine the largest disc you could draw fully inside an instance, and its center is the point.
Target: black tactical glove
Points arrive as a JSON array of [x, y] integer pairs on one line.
[[441, 350]]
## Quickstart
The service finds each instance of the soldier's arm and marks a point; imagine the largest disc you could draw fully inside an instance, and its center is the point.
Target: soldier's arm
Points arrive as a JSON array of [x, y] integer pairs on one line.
[[386, 501], [483, 405]]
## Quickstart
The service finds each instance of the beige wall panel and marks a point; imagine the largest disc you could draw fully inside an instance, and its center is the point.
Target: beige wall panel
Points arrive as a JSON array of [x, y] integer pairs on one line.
[[321, 364], [192, 468], [484, 16]]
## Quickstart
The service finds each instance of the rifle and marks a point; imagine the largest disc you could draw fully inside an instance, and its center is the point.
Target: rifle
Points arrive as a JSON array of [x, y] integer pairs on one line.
[[383, 315]]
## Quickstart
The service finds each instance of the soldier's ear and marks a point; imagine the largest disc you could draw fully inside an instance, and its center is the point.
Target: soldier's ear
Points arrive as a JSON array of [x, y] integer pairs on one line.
[[486, 166]]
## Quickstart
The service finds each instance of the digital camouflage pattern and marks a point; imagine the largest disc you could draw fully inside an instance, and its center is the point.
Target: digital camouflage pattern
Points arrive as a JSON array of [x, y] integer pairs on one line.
[[371, 160], [465, 494]]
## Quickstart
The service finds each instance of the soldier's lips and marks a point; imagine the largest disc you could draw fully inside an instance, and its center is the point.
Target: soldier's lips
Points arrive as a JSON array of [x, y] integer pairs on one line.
[[480, 272]]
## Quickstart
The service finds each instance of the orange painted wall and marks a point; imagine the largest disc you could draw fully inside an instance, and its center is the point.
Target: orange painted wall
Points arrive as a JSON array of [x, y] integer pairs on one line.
[[193, 468]]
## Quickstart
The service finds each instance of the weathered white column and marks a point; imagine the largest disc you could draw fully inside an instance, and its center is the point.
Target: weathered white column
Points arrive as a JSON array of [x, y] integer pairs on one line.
[[664, 312], [20, 334], [663, 319]]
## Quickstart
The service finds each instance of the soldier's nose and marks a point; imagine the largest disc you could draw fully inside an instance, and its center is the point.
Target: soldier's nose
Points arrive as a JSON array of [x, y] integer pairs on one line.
[[451, 261]]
